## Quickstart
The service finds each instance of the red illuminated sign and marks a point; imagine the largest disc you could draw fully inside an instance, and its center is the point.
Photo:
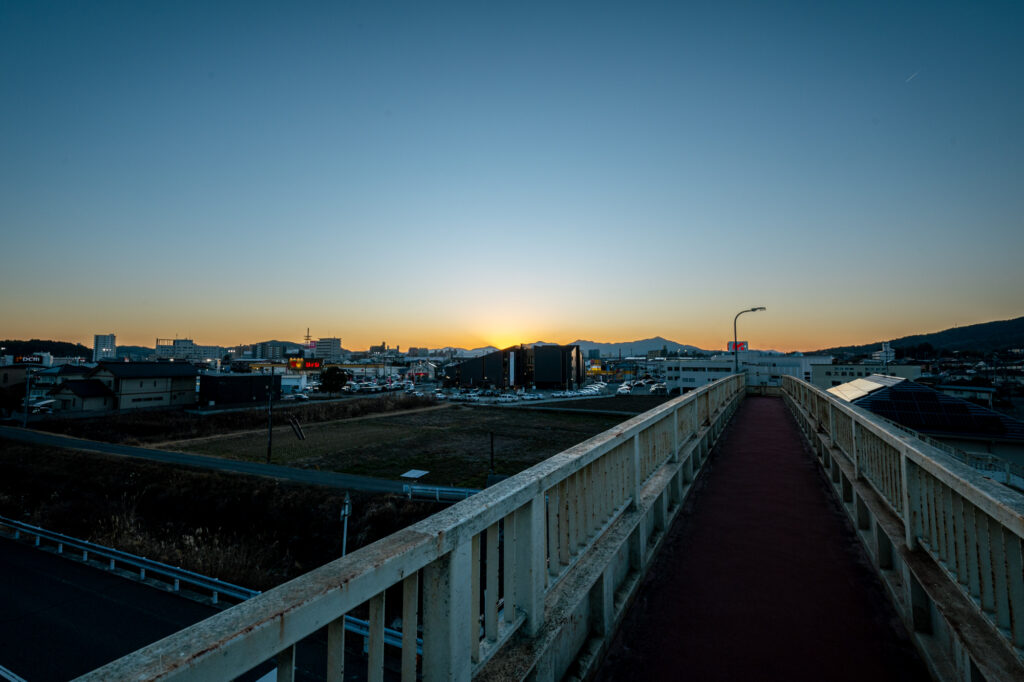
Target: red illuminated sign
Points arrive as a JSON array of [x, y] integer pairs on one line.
[[738, 346], [305, 363]]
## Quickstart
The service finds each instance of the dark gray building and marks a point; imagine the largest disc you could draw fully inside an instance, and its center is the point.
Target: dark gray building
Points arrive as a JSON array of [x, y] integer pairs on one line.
[[520, 366]]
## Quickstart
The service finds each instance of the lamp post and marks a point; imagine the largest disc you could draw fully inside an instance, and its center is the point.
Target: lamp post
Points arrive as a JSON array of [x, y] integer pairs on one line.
[[346, 510], [735, 343]]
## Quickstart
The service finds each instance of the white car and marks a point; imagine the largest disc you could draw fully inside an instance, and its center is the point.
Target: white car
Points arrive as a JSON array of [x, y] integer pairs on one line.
[[624, 390]]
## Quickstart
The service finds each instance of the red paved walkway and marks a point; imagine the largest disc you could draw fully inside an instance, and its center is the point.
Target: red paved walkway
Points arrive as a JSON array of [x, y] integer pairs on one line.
[[761, 577]]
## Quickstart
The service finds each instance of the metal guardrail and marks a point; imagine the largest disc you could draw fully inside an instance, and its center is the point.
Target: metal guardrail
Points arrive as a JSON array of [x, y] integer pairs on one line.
[[354, 625], [9, 676], [176, 575], [437, 494]]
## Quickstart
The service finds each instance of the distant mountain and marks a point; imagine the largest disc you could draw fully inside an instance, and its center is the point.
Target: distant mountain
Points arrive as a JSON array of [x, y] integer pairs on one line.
[[60, 349], [135, 353], [985, 338], [627, 348], [462, 352], [639, 347]]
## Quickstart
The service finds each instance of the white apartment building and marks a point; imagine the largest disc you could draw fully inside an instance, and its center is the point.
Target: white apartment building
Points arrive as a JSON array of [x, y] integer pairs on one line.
[[328, 349], [761, 368], [186, 349], [104, 347]]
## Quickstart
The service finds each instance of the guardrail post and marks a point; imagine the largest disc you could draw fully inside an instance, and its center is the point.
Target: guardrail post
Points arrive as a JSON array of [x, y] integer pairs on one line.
[[530, 557], [446, 608]]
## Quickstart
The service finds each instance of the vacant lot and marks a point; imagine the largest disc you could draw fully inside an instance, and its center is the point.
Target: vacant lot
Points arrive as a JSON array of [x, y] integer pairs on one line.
[[258, 532], [247, 530], [452, 442], [144, 427]]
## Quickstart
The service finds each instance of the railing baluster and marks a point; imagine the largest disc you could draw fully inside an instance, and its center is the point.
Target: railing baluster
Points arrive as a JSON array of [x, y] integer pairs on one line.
[[509, 567], [286, 665], [552, 532], [410, 621], [1015, 586], [375, 663], [336, 650], [491, 591], [447, 636], [474, 599]]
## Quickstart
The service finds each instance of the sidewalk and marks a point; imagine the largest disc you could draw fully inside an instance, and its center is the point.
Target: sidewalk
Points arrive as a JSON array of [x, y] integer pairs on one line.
[[761, 578]]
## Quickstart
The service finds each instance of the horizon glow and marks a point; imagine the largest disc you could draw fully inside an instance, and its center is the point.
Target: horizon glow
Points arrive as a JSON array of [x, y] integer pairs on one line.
[[467, 175]]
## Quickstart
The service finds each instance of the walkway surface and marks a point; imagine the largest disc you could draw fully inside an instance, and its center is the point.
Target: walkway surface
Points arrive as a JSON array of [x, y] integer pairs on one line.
[[761, 577]]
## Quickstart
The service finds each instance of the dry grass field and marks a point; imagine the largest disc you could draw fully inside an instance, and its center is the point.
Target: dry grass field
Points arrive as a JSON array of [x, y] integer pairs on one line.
[[258, 532], [452, 442]]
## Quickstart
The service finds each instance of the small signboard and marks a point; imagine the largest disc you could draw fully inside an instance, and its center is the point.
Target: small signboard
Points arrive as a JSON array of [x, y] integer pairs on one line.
[[415, 473], [738, 346]]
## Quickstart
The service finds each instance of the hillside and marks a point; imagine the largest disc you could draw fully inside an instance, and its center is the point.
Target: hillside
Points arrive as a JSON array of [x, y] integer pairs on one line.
[[60, 349], [986, 337]]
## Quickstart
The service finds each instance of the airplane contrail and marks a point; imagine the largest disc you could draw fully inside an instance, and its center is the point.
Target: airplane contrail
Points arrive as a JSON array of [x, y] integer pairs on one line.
[[912, 77]]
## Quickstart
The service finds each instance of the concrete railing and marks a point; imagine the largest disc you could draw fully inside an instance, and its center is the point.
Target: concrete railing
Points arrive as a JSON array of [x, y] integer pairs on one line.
[[528, 578], [947, 540]]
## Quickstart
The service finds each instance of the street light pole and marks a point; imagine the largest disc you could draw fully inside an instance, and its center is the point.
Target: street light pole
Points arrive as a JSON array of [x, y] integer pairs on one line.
[[735, 342], [346, 510]]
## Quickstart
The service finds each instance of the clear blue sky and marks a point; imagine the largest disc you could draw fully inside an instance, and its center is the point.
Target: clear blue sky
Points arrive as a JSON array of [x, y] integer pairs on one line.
[[469, 173]]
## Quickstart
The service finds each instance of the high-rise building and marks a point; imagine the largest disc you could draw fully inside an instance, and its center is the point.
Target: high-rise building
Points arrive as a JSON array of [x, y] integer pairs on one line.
[[328, 349], [104, 347]]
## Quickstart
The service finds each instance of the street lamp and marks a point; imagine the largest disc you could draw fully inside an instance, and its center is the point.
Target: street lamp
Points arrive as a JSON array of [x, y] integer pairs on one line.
[[735, 343]]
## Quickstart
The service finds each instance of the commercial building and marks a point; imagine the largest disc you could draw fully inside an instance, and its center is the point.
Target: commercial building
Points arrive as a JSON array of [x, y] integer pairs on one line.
[[104, 347], [187, 350], [548, 366], [761, 367], [236, 389]]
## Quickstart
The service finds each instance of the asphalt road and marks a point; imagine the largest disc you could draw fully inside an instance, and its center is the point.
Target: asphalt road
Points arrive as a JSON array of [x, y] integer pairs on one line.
[[306, 476], [60, 619]]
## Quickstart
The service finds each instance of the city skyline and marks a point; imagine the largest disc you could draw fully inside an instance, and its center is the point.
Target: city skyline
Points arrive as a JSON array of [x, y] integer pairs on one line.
[[472, 175]]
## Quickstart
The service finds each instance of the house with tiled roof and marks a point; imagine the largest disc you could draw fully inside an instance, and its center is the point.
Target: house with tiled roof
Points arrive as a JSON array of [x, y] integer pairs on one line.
[[960, 423], [138, 385], [83, 395]]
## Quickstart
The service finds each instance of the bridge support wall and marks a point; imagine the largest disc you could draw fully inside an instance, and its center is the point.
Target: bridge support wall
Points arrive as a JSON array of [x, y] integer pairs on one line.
[[945, 540], [527, 579]]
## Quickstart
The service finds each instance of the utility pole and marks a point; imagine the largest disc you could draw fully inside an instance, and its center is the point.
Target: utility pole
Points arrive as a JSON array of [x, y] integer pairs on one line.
[[28, 390]]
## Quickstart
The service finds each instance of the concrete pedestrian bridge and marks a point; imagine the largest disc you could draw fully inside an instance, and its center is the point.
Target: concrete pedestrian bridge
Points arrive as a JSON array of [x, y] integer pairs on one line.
[[636, 554]]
